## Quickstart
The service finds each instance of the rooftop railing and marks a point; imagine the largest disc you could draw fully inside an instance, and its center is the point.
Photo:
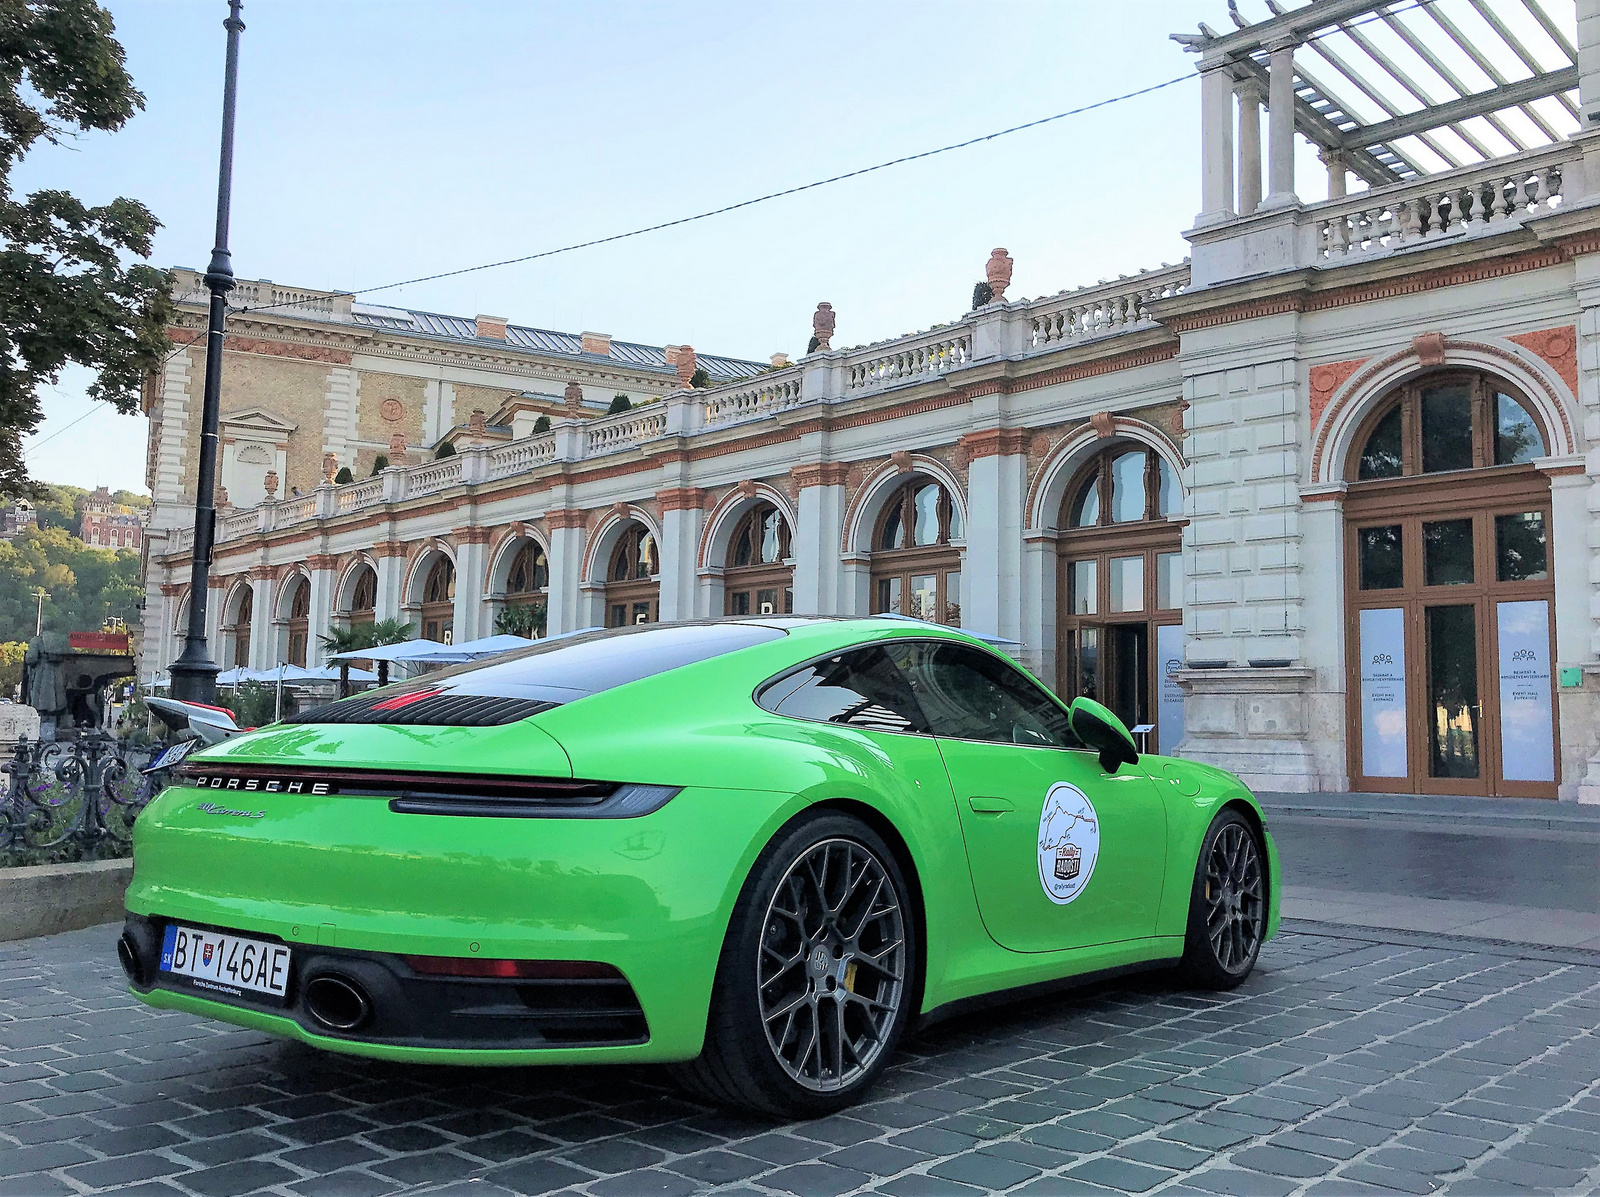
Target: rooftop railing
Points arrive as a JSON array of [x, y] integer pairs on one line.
[[1020, 330]]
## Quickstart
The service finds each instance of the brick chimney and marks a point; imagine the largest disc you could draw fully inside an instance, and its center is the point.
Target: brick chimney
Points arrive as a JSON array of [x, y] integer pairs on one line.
[[600, 343], [477, 423], [492, 326], [780, 360]]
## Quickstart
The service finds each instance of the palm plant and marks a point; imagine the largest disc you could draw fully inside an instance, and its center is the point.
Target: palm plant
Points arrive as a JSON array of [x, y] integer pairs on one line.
[[366, 635]]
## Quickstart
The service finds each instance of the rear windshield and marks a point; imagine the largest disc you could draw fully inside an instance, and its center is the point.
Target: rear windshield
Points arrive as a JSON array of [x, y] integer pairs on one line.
[[572, 667]]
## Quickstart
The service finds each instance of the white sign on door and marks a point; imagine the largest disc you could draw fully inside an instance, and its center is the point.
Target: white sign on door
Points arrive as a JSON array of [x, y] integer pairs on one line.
[[1527, 736], [1169, 702], [1383, 692]]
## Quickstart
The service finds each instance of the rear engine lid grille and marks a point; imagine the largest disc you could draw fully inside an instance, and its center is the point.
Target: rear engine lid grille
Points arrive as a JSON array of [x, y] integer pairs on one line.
[[426, 707]]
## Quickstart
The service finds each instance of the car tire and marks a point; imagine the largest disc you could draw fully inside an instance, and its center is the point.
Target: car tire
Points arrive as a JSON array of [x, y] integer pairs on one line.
[[1228, 904], [817, 975]]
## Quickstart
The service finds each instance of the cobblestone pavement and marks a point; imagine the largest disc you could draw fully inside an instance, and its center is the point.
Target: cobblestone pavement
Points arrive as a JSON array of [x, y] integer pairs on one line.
[[1350, 1063]]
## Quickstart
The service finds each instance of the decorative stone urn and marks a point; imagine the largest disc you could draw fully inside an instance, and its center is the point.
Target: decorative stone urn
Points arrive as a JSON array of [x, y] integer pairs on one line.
[[822, 326], [220, 498], [270, 484], [998, 271], [686, 366], [397, 448], [330, 466], [574, 395], [478, 422]]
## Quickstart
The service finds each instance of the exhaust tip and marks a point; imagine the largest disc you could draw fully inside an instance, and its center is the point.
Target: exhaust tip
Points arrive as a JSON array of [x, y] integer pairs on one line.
[[128, 957], [336, 1002]]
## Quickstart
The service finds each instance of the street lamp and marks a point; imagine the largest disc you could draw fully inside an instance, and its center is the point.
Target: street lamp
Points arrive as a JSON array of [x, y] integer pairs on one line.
[[194, 674]]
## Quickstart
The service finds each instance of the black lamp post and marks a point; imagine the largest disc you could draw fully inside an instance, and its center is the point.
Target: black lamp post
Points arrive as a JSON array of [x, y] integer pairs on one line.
[[194, 674]]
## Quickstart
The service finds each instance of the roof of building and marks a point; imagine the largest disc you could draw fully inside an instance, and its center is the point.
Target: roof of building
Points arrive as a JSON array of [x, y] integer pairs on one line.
[[542, 340]]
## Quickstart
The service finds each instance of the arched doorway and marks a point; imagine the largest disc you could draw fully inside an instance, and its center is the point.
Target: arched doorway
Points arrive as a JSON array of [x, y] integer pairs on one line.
[[363, 598], [1120, 582], [755, 580], [1449, 594], [916, 570], [632, 592], [439, 601], [299, 622], [527, 581], [238, 629]]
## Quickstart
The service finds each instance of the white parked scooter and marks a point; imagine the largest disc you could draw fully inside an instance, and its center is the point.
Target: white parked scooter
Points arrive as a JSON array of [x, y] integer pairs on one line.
[[206, 725]]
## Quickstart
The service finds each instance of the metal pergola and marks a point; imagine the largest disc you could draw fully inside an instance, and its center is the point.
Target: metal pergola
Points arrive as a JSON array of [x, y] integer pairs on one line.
[[1401, 89]]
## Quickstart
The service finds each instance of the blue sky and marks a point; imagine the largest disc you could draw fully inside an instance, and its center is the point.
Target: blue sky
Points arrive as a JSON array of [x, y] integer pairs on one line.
[[378, 141]]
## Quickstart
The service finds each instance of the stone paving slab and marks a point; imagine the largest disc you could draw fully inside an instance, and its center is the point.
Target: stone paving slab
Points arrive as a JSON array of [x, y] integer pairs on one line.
[[1405, 912], [1354, 1061]]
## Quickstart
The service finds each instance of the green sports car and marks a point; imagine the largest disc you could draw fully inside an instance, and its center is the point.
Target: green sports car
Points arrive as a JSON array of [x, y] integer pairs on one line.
[[758, 848]]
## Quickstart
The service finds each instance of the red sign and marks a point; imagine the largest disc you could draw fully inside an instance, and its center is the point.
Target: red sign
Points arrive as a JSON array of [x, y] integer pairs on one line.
[[101, 642]]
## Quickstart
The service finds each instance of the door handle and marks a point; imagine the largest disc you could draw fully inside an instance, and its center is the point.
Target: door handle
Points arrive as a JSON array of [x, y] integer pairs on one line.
[[989, 806]]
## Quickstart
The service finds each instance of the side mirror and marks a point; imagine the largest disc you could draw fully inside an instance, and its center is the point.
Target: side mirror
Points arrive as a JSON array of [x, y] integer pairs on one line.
[[1102, 731]]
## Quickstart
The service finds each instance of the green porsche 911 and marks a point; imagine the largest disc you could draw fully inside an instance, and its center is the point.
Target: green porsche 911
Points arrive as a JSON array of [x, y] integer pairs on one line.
[[759, 848]]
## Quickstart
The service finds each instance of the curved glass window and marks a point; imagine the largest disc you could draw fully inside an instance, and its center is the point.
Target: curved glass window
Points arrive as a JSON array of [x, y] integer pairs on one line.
[[1086, 510], [1517, 438], [926, 505], [1127, 488], [365, 596], [1382, 456], [441, 584], [1169, 495], [1447, 422], [634, 558], [530, 572]]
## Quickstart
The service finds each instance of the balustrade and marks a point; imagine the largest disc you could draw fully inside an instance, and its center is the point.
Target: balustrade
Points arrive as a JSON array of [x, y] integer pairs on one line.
[[358, 496], [434, 476], [612, 434], [913, 362], [773, 395], [1096, 311], [520, 456]]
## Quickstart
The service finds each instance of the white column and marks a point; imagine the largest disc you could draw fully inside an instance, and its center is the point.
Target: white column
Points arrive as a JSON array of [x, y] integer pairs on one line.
[[1280, 128], [1589, 64], [263, 639], [566, 572], [471, 567], [1338, 173], [1040, 581], [1216, 146], [391, 577], [991, 573], [819, 520], [682, 519], [319, 615], [1249, 146]]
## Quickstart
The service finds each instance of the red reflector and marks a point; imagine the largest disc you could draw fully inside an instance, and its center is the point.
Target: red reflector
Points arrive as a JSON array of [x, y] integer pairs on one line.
[[405, 700], [526, 970]]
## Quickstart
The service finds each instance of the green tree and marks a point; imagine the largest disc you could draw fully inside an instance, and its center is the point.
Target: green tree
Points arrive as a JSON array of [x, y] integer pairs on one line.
[[619, 403], [59, 506], [445, 450], [67, 290], [522, 619], [83, 586], [11, 654], [131, 499]]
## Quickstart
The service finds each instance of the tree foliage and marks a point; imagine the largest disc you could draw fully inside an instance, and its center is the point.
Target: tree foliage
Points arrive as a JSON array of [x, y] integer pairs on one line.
[[83, 585], [67, 292], [11, 654], [522, 619]]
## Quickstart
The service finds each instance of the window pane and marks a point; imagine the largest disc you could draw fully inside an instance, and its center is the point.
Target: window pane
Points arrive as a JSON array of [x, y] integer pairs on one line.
[[619, 616], [641, 612], [741, 547], [647, 556], [952, 598], [972, 695], [1382, 563], [860, 689], [1127, 488], [1381, 456], [788, 600], [1169, 499], [958, 530], [1085, 588], [893, 529], [1452, 692], [769, 537], [926, 505], [767, 602], [889, 596], [1086, 510], [924, 597], [1519, 547], [739, 603], [1446, 428], [1126, 577], [1447, 553], [1169, 581], [1516, 437], [1087, 663]]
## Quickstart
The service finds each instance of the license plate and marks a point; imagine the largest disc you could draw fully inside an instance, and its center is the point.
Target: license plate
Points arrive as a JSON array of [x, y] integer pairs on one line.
[[225, 963], [171, 755]]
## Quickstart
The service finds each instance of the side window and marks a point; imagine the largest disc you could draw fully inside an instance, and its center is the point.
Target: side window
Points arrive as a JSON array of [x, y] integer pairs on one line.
[[973, 695], [860, 688]]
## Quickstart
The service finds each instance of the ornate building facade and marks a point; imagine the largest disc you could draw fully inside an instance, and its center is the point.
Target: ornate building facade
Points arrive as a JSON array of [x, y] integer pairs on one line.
[[1321, 505]]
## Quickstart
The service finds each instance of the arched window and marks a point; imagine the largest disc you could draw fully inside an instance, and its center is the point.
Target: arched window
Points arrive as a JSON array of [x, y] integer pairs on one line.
[[438, 601], [755, 580], [1121, 579], [631, 593], [364, 598], [299, 622], [526, 582], [916, 570], [240, 628], [1448, 584]]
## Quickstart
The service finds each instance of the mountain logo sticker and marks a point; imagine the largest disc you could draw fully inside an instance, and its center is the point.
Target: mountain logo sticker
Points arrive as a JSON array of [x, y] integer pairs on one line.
[[1069, 842]]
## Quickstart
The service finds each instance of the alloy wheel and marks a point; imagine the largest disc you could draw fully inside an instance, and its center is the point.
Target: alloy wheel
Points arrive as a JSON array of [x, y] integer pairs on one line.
[[832, 965], [1235, 905]]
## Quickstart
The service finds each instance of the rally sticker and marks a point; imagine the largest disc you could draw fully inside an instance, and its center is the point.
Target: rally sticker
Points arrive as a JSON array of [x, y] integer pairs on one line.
[[1069, 842]]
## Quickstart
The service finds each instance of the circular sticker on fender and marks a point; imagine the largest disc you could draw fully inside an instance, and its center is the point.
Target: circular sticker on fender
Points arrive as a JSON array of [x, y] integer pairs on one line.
[[1069, 842]]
